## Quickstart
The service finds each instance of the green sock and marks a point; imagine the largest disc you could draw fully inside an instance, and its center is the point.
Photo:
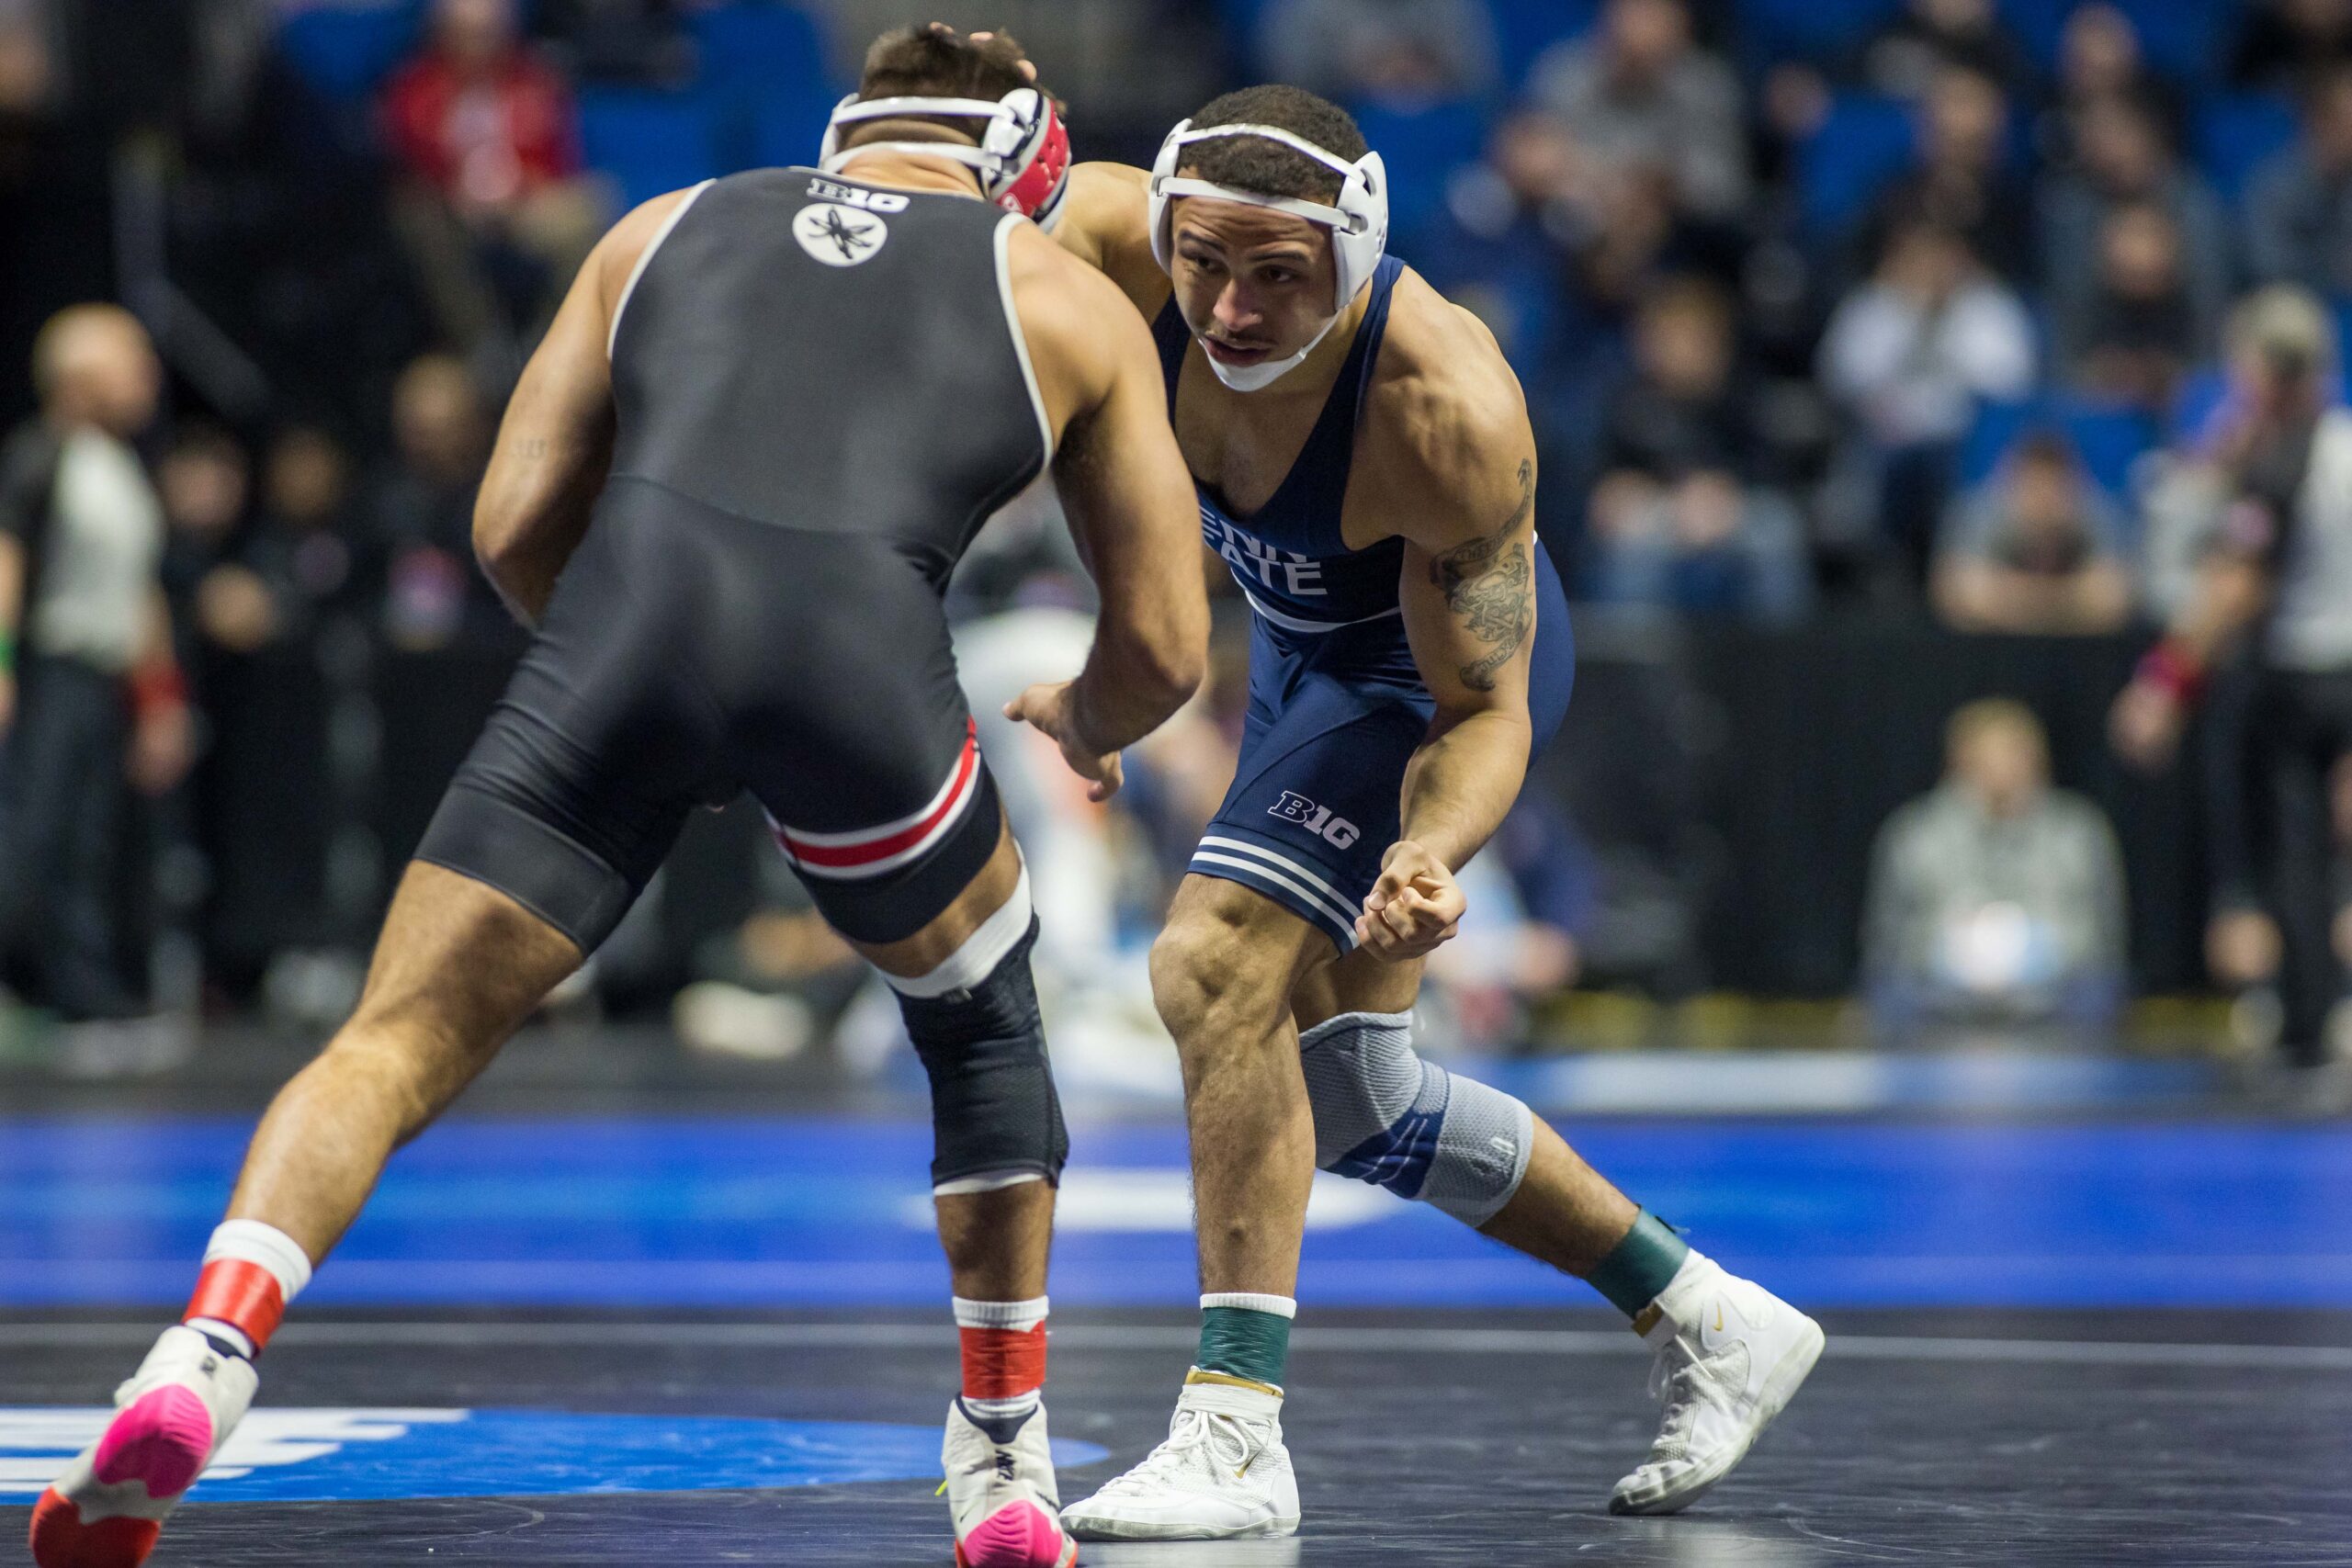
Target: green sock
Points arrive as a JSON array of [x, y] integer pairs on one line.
[[1641, 1265], [1246, 1336]]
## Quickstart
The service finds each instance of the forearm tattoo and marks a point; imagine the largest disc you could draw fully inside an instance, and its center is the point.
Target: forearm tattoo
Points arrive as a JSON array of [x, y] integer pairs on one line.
[[1489, 586]]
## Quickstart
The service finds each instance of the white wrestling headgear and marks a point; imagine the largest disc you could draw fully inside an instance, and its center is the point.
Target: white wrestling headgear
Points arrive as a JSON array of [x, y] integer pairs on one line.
[[1023, 159], [1358, 221]]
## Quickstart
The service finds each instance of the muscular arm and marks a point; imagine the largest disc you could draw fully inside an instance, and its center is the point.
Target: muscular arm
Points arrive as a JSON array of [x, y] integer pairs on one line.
[[1131, 508], [1469, 611], [1132, 513], [556, 440]]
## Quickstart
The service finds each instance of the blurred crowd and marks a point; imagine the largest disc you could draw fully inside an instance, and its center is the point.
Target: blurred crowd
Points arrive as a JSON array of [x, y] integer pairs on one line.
[[1984, 313]]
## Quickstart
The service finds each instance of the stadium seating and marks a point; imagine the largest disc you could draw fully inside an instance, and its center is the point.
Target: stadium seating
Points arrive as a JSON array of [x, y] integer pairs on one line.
[[1423, 144], [648, 143], [1863, 142], [345, 51], [1817, 31], [2108, 439], [2235, 135]]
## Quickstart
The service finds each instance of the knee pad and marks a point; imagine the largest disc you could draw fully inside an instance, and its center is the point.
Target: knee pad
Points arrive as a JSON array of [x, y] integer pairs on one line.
[[996, 1119], [1385, 1116]]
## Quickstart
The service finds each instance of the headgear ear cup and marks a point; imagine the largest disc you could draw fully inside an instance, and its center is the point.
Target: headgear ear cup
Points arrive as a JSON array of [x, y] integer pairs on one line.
[[1023, 160], [1358, 220]]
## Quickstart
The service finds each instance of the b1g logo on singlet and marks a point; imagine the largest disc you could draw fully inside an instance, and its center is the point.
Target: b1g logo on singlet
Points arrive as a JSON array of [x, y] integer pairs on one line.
[[1252, 558], [1316, 819], [854, 195], [838, 235]]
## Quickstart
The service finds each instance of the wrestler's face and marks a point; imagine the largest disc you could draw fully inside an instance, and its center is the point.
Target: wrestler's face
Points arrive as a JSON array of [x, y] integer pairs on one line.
[[1253, 284]]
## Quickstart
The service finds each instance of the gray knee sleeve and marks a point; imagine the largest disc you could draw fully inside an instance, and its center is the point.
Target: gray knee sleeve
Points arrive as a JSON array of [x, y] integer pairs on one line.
[[1385, 1116], [994, 1111]]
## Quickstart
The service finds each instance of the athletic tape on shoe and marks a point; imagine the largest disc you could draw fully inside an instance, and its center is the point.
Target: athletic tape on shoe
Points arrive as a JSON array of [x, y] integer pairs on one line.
[[1385, 1117]]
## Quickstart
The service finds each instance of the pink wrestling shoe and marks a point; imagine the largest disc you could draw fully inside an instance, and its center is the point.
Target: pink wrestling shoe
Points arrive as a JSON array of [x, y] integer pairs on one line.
[[1000, 1490], [174, 1413]]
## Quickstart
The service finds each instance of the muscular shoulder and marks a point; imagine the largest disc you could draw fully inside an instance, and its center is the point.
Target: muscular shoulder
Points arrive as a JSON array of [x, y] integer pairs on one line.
[[624, 245], [1077, 323], [1447, 421], [1106, 223]]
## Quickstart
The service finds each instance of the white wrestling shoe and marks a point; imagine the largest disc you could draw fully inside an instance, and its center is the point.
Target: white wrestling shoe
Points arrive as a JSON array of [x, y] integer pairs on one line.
[[1223, 1474], [174, 1413], [1000, 1492], [1730, 1357]]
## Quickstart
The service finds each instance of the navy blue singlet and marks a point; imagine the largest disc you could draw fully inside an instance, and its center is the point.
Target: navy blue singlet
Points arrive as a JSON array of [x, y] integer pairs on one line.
[[1337, 704]]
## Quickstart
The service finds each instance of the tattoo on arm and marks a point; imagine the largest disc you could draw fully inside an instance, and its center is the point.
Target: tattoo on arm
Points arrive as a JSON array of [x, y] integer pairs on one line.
[[1489, 585]]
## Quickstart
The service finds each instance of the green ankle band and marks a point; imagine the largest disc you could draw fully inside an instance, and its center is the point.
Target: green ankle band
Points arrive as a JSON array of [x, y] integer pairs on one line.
[[1641, 1265], [1243, 1343]]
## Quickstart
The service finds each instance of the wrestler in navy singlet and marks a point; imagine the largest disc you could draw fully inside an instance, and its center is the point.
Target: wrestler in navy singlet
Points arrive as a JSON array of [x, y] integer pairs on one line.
[[1336, 705], [821, 392]]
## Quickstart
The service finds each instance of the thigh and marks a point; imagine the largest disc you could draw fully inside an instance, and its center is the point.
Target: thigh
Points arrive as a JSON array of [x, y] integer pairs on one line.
[[605, 740], [1227, 937], [852, 731], [1314, 801]]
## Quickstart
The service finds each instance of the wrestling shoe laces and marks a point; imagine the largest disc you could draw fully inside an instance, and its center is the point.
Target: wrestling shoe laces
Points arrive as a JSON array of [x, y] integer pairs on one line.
[[1202, 1449], [1687, 1380], [1221, 1474], [1730, 1357]]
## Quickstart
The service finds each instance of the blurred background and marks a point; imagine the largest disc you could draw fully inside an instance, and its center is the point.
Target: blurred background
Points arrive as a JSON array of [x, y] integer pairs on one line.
[[1893, 393]]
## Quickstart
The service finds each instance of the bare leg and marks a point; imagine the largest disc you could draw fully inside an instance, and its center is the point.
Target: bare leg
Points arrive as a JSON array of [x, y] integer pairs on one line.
[[458, 967], [1565, 1212], [998, 1243], [1223, 972]]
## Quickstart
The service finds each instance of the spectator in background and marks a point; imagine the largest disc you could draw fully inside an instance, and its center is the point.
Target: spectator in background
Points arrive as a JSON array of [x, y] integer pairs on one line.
[[2282, 42], [205, 482], [1994, 900], [2120, 158], [301, 549], [1963, 179], [266, 802], [422, 511], [2136, 334], [2099, 59], [495, 214], [1907, 357], [2299, 207], [1408, 50], [1638, 94], [2035, 550], [1912, 48], [1677, 519], [2269, 615], [89, 686]]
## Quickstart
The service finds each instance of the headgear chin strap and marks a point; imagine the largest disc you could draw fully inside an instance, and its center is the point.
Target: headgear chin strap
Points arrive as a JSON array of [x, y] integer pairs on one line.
[[1358, 220], [1023, 160]]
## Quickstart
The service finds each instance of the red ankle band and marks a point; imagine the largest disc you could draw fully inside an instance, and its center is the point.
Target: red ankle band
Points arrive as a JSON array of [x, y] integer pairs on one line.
[[1002, 1363], [245, 1295]]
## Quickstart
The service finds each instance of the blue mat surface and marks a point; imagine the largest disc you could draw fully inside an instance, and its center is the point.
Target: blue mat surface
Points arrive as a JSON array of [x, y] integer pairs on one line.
[[674, 1212]]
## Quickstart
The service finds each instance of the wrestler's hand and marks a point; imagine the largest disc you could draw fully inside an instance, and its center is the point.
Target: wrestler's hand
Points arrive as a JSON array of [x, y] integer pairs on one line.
[[1413, 908], [1049, 708], [1028, 66]]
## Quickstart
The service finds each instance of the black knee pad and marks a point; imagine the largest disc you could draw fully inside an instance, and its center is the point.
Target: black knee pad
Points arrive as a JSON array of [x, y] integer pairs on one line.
[[993, 1107]]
